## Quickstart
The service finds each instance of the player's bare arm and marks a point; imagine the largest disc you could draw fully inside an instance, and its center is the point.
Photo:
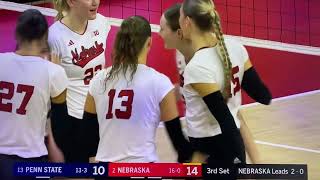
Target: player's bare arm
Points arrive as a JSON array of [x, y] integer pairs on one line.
[[248, 140]]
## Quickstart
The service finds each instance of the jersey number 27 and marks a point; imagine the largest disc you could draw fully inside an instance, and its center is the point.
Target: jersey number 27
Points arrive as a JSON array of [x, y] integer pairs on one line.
[[9, 87]]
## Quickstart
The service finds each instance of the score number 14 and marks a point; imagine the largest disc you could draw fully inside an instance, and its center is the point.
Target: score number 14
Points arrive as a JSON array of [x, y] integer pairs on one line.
[[192, 170]]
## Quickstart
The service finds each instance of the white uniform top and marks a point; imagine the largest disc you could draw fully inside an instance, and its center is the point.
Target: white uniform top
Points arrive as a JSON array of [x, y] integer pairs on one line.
[[206, 67], [127, 132], [26, 85], [82, 56]]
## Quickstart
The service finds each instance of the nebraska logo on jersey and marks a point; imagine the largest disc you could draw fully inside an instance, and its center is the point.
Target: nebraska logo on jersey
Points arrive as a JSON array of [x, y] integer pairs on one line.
[[86, 55]]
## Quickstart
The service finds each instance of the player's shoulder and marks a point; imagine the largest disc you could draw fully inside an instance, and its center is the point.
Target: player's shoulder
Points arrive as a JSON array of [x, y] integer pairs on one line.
[[236, 48], [233, 43], [191, 66], [100, 17], [153, 79], [147, 70], [34, 61], [55, 31], [98, 81], [39, 62], [6, 54], [5, 58], [51, 67], [231, 40], [101, 75], [55, 27], [11, 56], [202, 58], [152, 74]]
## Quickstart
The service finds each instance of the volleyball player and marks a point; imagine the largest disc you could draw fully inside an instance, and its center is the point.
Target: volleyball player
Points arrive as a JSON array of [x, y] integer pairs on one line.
[[28, 84], [127, 101], [212, 85], [78, 37], [171, 33]]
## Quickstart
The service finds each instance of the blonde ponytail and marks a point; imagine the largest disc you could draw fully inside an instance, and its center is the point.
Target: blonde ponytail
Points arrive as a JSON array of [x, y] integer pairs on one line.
[[224, 55], [60, 6], [207, 19]]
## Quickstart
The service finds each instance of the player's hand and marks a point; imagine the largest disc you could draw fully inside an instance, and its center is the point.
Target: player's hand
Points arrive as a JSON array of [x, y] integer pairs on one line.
[[93, 160], [55, 58], [255, 159], [199, 157]]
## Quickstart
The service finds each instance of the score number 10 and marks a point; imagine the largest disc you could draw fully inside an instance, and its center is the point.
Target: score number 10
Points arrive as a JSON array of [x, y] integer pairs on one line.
[[98, 170]]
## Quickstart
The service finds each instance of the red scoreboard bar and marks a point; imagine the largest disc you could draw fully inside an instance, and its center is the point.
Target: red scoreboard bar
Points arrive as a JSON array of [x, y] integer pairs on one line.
[[155, 170]]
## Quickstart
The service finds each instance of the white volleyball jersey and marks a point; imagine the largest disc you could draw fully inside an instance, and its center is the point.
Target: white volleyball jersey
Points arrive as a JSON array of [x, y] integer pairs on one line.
[[83, 55], [206, 67], [26, 85], [129, 114]]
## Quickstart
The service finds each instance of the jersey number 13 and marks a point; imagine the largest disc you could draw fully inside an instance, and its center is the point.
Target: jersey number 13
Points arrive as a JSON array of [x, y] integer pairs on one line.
[[127, 104]]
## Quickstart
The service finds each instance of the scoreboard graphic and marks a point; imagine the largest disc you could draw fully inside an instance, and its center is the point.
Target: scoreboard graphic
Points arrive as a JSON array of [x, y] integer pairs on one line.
[[162, 170]]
